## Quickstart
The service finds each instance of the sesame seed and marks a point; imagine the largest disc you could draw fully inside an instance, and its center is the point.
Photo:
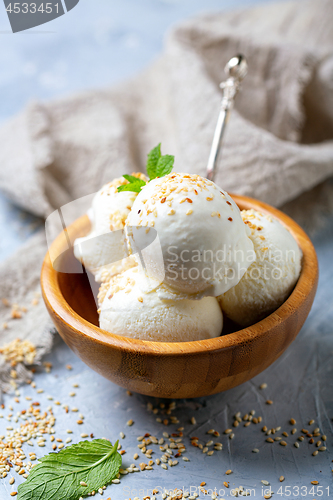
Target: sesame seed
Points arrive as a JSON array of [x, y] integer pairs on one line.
[[283, 443], [265, 483], [315, 482], [281, 479], [270, 440], [228, 431], [12, 480], [311, 422], [189, 212], [315, 453], [193, 421], [269, 402], [229, 471], [263, 386], [255, 450], [130, 422], [83, 435], [322, 448], [82, 483]]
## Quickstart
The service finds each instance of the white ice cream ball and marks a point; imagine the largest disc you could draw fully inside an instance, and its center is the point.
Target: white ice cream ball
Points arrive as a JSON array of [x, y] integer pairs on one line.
[[105, 256], [127, 310], [204, 243], [270, 279]]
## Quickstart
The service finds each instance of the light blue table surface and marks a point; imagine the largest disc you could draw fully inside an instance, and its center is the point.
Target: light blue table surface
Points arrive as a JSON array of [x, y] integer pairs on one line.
[[96, 44]]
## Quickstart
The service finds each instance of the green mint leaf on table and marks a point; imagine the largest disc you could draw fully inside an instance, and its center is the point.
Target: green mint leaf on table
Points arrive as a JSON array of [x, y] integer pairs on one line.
[[157, 164], [63, 475], [134, 184]]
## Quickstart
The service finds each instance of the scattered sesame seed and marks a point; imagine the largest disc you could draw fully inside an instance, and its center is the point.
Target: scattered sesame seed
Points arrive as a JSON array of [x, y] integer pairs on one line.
[[263, 386], [269, 402], [193, 421], [281, 479], [229, 471], [130, 422], [255, 450]]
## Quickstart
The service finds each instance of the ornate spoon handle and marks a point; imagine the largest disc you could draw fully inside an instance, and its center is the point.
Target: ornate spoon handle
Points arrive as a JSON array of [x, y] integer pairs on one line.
[[236, 69]]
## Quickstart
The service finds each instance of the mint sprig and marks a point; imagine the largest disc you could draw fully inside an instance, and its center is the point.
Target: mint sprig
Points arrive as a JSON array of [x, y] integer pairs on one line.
[[135, 184], [73, 472], [158, 165]]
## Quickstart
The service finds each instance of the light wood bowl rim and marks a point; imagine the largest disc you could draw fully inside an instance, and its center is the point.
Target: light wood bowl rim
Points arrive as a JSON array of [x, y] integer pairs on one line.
[[306, 282]]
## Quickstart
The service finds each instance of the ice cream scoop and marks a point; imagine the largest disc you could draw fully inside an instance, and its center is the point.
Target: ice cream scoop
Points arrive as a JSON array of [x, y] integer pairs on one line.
[[101, 253], [203, 240], [127, 310], [270, 279]]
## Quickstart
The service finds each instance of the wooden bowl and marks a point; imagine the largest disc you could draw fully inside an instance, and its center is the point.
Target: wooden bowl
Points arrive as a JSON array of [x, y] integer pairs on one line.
[[174, 370]]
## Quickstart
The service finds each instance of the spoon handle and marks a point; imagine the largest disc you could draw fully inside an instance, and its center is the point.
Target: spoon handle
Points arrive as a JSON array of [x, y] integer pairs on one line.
[[236, 69]]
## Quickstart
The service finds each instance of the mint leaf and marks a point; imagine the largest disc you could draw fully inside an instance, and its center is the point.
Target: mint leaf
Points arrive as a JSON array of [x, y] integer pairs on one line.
[[58, 476], [152, 161], [164, 165], [135, 184]]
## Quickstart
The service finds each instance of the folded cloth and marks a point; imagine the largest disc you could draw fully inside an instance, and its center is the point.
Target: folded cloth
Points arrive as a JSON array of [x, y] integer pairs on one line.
[[279, 141]]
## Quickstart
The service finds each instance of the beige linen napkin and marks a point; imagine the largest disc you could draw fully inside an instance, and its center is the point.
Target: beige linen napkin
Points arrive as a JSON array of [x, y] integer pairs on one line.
[[279, 142]]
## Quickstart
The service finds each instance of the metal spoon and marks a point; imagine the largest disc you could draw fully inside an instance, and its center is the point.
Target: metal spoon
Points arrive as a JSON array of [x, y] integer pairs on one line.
[[236, 69]]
